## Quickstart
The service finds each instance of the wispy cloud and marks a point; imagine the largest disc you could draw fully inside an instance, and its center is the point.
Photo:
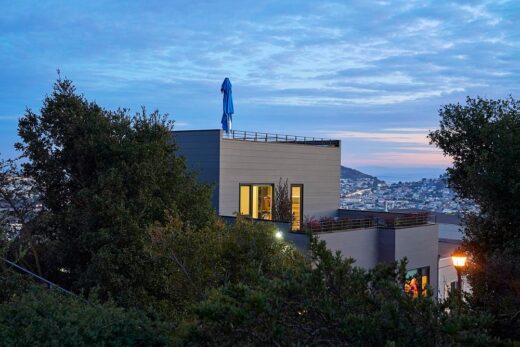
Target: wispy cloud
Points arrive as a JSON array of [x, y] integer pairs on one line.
[[10, 117], [399, 159], [380, 69], [393, 137]]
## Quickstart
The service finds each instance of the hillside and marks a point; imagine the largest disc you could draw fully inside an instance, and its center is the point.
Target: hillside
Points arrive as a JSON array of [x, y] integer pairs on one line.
[[354, 174]]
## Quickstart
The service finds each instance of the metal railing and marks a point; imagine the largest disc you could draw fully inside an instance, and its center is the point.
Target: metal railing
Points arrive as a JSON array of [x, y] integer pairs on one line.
[[404, 221], [265, 137], [46, 282], [328, 225], [391, 222]]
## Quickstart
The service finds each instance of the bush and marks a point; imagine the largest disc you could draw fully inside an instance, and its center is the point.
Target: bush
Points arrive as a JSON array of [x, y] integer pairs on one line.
[[42, 317], [333, 303]]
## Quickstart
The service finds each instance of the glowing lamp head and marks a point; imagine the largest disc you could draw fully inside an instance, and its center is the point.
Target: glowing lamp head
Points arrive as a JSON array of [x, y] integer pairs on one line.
[[279, 235], [459, 259]]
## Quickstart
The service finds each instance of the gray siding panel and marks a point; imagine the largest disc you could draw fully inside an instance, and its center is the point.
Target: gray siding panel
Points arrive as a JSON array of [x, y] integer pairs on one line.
[[360, 244], [317, 168]]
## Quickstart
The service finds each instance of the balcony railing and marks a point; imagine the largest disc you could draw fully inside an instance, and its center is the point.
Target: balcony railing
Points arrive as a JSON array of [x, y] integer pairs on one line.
[[265, 137], [390, 221], [331, 224], [404, 221]]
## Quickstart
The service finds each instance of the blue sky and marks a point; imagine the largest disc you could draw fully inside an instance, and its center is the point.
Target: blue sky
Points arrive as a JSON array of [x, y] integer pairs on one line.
[[371, 73]]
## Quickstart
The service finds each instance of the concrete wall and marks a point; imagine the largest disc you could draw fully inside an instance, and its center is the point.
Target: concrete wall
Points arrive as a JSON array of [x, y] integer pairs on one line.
[[370, 246], [450, 231], [201, 150], [317, 168], [360, 244]]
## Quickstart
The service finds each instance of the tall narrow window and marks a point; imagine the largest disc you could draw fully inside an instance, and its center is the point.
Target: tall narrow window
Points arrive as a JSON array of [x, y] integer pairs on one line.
[[245, 200], [296, 206]]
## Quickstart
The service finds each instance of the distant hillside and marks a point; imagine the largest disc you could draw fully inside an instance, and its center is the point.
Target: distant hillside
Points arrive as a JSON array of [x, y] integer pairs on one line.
[[354, 174]]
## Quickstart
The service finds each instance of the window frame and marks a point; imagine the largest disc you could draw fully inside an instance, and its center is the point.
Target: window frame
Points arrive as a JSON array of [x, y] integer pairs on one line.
[[420, 272], [301, 204], [251, 185], [250, 200]]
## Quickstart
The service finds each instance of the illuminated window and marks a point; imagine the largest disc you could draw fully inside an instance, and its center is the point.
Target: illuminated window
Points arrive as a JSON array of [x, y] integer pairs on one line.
[[296, 206], [245, 200], [256, 201], [417, 281]]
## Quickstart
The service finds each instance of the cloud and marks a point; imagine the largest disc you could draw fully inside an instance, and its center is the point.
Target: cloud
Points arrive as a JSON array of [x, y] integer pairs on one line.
[[480, 12], [9, 117], [400, 159], [413, 130], [393, 137], [381, 68]]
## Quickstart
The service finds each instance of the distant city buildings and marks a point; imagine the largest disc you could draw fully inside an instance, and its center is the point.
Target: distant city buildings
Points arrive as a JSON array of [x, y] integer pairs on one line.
[[428, 194]]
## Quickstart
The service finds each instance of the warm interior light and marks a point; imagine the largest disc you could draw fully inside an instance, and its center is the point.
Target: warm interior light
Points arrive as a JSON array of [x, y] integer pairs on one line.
[[279, 235], [459, 259]]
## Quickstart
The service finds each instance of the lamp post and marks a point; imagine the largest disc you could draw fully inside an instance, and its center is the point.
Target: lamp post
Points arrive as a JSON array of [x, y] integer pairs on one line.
[[459, 262]]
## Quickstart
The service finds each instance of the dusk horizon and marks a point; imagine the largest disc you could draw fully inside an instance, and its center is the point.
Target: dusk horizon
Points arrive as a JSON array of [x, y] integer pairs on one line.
[[372, 75]]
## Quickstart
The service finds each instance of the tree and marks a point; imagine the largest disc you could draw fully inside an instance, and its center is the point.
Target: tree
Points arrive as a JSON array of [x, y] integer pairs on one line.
[[331, 303], [19, 204], [104, 177], [483, 138], [201, 260], [282, 202], [39, 317]]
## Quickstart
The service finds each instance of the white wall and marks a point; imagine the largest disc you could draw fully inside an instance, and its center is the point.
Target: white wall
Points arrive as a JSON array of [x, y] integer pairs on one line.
[[448, 274]]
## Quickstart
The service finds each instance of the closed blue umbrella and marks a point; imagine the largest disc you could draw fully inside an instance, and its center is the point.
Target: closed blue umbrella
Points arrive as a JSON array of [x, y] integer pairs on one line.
[[227, 105]]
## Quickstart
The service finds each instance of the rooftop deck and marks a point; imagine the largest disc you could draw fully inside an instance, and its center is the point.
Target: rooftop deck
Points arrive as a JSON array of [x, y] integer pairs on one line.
[[254, 136], [353, 219]]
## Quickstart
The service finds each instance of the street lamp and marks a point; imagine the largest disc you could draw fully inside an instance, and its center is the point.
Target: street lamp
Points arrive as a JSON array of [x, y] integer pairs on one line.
[[459, 262]]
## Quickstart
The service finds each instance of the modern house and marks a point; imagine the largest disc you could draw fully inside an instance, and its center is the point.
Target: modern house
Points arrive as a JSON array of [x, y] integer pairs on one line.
[[245, 169]]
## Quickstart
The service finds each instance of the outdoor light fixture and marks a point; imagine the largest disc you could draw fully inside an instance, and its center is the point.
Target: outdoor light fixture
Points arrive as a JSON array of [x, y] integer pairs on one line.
[[459, 262], [279, 235]]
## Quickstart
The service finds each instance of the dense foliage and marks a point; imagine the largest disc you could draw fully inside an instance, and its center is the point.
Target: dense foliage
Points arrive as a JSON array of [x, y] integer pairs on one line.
[[483, 138], [103, 178], [37, 316], [334, 304], [127, 229]]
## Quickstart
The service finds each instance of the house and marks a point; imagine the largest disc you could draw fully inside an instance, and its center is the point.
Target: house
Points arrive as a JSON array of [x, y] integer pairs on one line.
[[246, 167]]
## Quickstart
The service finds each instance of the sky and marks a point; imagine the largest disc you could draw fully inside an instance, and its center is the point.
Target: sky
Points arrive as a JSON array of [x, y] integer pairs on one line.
[[370, 73]]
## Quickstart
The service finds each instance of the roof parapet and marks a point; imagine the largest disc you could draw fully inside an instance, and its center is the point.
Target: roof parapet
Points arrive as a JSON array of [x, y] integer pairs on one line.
[[255, 136]]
